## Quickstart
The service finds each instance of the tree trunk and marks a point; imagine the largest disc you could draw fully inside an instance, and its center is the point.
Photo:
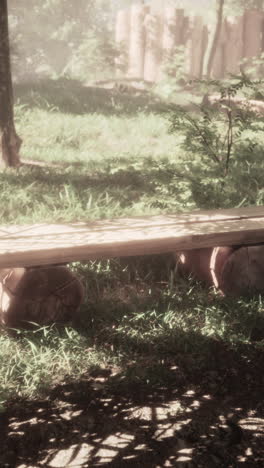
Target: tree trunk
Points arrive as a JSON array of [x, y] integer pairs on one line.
[[9, 141], [216, 38]]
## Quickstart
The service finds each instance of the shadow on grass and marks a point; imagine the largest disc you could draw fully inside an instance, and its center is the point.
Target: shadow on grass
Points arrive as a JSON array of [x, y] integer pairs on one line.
[[164, 184], [71, 96], [166, 411], [123, 187], [175, 399], [79, 178]]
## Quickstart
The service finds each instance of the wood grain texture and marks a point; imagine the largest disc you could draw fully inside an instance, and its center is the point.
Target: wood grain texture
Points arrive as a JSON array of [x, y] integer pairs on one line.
[[44, 244], [243, 272]]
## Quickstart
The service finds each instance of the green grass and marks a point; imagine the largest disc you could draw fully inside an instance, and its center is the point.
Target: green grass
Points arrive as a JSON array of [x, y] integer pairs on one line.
[[113, 161], [91, 138], [107, 165], [34, 361]]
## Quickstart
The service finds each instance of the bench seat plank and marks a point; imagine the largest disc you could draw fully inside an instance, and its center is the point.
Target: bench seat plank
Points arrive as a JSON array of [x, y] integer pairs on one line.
[[43, 244]]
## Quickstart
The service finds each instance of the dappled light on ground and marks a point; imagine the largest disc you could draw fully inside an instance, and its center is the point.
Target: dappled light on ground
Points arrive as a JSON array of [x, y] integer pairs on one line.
[[114, 417], [150, 376]]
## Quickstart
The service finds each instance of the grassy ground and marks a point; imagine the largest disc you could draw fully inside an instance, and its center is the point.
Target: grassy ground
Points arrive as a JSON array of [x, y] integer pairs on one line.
[[108, 164], [138, 316]]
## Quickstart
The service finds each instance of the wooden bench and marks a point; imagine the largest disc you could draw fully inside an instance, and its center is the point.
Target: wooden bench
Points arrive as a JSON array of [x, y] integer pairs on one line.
[[47, 295], [45, 244]]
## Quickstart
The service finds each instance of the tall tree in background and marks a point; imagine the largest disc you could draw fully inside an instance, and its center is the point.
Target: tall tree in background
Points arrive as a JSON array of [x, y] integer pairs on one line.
[[9, 141], [216, 37]]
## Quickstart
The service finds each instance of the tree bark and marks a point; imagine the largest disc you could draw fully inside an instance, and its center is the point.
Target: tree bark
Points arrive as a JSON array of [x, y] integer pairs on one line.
[[216, 37], [9, 141]]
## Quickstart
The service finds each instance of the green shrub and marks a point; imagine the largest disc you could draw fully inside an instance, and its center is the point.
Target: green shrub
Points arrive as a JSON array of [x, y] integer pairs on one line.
[[227, 142]]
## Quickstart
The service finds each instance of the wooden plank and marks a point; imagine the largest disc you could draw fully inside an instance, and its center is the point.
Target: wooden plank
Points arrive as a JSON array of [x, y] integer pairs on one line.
[[44, 244]]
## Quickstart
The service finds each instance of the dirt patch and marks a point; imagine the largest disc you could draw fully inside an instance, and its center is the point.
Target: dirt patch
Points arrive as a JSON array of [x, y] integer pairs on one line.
[[194, 416]]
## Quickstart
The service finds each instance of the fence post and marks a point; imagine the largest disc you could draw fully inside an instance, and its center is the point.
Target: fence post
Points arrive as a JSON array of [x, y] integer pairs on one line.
[[197, 47], [205, 42], [169, 32], [180, 21], [147, 41], [122, 34], [253, 34], [219, 64], [153, 51], [137, 41], [233, 44], [175, 35]]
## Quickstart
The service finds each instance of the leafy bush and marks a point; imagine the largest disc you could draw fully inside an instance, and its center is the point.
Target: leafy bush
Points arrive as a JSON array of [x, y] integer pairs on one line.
[[174, 75], [227, 141], [93, 59]]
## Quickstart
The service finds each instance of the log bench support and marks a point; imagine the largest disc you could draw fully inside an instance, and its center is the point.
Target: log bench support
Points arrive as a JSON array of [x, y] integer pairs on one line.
[[194, 236]]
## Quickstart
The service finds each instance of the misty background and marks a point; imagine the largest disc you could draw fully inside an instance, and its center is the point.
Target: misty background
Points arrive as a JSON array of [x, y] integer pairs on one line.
[[76, 39]]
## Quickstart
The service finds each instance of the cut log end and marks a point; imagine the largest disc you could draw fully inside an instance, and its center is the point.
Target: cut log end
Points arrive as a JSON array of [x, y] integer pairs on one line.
[[233, 271], [38, 295], [205, 265], [243, 272]]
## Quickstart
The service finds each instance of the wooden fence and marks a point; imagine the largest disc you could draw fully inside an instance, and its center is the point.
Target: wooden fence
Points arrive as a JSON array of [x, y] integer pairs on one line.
[[148, 40]]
